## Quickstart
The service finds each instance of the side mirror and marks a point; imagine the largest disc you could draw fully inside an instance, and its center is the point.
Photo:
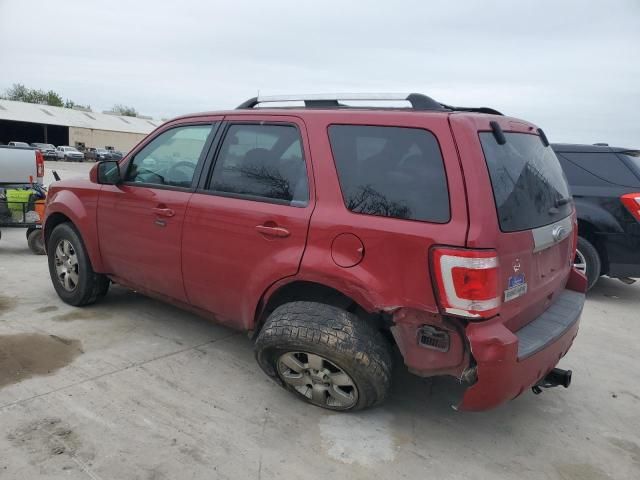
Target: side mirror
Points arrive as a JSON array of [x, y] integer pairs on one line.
[[108, 173]]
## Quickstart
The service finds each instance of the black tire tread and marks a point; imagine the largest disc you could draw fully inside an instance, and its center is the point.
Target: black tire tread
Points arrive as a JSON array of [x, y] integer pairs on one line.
[[96, 285], [336, 333], [594, 264]]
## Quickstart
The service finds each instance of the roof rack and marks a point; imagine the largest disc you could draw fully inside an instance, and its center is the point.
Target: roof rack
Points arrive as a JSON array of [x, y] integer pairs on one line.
[[417, 100]]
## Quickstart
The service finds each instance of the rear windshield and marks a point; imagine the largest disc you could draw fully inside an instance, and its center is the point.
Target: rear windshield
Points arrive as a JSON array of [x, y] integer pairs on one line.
[[529, 186], [391, 172]]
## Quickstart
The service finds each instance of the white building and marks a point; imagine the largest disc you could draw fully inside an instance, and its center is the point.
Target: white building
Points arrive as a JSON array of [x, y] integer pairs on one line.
[[28, 122]]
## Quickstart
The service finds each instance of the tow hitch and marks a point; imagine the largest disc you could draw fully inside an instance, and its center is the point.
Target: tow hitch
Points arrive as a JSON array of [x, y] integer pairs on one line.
[[555, 377]]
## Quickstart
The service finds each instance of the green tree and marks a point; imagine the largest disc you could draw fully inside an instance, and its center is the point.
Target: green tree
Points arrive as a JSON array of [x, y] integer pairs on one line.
[[124, 110], [20, 93]]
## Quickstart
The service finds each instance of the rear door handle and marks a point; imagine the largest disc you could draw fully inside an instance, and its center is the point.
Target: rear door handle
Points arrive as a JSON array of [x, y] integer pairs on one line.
[[273, 231], [164, 212]]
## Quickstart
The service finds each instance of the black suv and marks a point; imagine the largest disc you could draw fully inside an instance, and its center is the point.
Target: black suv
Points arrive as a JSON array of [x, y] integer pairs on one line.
[[605, 183]]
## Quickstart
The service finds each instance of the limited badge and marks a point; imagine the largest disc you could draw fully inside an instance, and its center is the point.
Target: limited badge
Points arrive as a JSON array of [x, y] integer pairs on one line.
[[517, 286]]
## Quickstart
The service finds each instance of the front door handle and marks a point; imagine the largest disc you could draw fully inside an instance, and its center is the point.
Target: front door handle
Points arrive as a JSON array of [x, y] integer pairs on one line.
[[164, 212], [273, 231]]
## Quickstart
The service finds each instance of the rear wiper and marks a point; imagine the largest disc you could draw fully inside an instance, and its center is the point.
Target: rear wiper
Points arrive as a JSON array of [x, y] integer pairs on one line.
[[563, 201]]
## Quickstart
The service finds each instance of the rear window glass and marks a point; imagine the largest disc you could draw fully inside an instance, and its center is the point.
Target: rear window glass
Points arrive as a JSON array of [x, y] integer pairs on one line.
[[529, 186], [391, 172]]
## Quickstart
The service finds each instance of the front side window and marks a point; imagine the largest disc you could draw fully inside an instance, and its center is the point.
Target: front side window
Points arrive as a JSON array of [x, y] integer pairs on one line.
[[262, 162], [391, 172], [170, 158]]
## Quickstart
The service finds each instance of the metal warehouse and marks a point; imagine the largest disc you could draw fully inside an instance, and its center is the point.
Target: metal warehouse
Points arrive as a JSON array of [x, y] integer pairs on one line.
[[28, 122]]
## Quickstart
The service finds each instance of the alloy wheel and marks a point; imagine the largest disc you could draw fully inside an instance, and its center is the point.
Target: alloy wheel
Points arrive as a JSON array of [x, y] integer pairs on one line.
[[320, 380], [66, 262], [580, 262]]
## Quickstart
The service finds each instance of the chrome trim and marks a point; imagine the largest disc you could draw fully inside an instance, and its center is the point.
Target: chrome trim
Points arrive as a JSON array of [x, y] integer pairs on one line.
[[549, 235], [333, 96]]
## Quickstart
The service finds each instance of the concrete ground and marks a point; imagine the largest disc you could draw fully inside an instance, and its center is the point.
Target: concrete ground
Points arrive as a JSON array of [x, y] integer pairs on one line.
[[134, 389]]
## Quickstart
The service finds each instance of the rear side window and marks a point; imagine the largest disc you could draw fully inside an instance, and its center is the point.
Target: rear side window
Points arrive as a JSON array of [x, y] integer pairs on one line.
[[391, 172], [633, 157], [605, 165], [263, 163], [529, 186]]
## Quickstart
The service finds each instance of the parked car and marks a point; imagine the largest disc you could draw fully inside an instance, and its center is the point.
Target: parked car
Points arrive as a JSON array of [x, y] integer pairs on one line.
[[116, 154], [48, 150], [605, 182], [18, 144], [20, 165], [335, 235], [69, 154], [98, 154]]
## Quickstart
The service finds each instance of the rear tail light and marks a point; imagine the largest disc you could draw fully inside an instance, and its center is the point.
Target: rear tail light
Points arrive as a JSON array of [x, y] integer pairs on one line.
[[39, 164], [467, 282], [632, 202]]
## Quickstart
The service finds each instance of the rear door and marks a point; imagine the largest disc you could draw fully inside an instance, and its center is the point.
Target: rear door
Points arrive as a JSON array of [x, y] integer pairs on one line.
[[246, 226], [520, 205]]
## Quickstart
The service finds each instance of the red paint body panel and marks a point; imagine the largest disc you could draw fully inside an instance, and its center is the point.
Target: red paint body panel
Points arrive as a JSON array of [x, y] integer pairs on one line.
[[210, 257]]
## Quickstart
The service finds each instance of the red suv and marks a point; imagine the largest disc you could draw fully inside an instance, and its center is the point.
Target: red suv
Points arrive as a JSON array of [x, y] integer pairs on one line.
[[336, 234]]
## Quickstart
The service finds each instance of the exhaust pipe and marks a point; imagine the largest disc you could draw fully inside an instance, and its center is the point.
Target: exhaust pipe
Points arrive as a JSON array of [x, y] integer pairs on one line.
[[556, 377]]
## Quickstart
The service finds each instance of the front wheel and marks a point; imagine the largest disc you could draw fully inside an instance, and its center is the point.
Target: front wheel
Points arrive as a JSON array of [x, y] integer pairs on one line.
[[325, 355], [588, 261], [70, 268]]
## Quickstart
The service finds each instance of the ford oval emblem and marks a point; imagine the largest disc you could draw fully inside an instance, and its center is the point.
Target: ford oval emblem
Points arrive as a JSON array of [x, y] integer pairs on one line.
[[558, 233]]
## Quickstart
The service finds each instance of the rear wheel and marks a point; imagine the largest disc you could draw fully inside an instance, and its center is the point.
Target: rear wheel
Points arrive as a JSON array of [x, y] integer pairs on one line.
[[70, 269], [325, 355], [588, 261]]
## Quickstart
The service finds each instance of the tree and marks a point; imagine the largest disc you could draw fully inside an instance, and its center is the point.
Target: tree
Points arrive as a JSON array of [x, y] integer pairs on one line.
[[124, 110], [20, 93]]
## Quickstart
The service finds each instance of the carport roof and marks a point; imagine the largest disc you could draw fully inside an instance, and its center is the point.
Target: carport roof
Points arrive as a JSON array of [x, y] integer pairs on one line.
[[69, 117]]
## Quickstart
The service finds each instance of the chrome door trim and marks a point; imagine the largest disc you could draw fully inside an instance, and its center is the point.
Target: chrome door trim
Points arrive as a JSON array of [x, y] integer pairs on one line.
[[549, 235]]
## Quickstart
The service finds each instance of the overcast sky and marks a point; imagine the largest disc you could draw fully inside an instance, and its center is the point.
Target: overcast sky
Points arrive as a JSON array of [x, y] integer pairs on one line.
[[572, 67]]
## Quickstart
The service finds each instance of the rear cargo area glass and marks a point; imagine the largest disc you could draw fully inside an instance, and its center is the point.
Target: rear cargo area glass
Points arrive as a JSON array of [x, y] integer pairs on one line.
[[529, 186]]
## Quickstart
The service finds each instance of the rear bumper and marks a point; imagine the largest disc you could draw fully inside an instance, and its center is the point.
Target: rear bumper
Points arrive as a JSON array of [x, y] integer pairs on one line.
[[509, 363]]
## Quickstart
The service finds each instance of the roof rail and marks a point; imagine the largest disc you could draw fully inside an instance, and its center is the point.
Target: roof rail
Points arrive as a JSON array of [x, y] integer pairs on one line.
[[417, 100]]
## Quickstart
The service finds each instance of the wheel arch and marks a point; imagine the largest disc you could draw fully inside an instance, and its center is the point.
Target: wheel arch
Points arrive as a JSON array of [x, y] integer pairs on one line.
[[588, 231], [313, 291]]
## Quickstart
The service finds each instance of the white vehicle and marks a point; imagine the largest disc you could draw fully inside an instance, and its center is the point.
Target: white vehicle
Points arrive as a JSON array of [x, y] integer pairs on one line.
[[69, 154], [19, 144], [19, 165]]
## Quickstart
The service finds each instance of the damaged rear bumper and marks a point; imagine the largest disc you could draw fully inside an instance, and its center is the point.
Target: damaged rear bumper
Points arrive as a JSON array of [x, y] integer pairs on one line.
[[508, 363]]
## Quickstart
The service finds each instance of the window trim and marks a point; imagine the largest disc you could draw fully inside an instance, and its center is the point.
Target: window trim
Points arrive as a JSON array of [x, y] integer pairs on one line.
[[215, 126], [207, 177], [444, 168]]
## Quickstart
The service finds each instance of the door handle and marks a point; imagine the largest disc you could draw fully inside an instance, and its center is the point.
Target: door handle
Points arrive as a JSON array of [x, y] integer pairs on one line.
[[273, 231], [164, 212]]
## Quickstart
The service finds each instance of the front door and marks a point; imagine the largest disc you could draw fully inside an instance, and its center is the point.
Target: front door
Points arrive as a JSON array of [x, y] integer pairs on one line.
[[140, 221], [246, 228]]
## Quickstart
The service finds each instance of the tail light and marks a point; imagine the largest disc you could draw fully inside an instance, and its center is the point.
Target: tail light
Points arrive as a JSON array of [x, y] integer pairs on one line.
[[467, 281], [39, 164], [632, 202]]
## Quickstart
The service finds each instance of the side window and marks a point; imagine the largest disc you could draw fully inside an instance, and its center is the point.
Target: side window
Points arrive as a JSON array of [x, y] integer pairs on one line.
[[262, 162], [170, 158], [606, 166], [391, 172]]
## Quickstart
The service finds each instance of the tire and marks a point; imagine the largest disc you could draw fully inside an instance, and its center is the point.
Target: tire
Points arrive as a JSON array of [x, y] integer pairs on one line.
[[35, 240], [588, 261], [84, 285], [304, 331]]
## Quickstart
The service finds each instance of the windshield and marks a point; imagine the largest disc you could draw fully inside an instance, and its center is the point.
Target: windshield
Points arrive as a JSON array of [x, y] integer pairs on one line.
[[529, 186], [101, 150]]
